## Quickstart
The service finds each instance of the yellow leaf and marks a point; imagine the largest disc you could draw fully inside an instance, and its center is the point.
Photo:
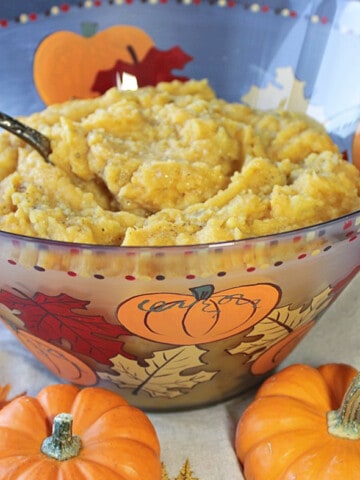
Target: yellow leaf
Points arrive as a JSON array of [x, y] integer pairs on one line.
[[164, 474], [279, 323], [163, 375], [186, 472]]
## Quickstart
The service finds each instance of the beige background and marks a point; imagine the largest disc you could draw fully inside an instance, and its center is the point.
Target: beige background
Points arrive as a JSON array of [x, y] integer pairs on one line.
[[205, 436]]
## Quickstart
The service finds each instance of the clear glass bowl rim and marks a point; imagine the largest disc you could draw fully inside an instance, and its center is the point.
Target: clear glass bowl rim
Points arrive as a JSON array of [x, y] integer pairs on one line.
[[63, 245]]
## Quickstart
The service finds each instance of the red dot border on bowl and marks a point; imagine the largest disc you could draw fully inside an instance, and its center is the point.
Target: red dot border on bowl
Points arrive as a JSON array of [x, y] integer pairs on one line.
[[350, 236], [253, 7]]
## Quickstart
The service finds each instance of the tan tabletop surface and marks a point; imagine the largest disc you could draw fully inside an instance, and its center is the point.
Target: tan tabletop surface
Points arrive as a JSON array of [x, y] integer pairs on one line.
[[205, 436]]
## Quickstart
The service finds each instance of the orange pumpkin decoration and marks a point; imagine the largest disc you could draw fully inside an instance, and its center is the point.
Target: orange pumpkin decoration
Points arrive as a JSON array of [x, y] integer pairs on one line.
[[112, 440], [303, 424], [202, 317], [57, 360], [273, 356], [66, 64]]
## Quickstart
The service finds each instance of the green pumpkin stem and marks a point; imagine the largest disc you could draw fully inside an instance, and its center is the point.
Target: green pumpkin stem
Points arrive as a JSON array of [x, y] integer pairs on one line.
[[62, 444], [202, 293], [88, 29], [345, 422]]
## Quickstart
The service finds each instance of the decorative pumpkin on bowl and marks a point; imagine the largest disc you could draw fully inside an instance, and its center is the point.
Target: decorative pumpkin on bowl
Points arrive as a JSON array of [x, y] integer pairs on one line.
[[112, 440], [66, 63], [303, 424], [70, 65]]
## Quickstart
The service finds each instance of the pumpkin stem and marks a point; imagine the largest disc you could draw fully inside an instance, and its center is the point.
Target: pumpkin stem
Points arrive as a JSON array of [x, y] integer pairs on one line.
[[88, 29], [202, 293], [132, 53], [62, 445], [345, 422]]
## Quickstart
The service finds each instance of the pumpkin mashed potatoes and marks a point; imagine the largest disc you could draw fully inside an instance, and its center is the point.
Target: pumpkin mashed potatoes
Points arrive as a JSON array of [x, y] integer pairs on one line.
[[171, 165]]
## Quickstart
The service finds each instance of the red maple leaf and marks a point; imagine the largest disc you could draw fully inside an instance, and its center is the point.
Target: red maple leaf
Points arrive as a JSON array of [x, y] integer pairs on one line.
[[54, 319], [156, 66]]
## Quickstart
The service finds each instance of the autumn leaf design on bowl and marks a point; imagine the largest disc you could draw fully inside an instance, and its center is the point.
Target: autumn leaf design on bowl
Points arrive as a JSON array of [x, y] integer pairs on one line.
[[68, 65]]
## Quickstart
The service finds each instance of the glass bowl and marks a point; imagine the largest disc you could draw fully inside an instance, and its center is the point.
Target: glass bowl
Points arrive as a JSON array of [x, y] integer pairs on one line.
[[181, 327], [173, 327]]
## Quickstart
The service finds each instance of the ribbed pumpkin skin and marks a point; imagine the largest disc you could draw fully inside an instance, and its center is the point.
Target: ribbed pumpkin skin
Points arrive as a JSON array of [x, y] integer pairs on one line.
[[283, 434], [118, 440]]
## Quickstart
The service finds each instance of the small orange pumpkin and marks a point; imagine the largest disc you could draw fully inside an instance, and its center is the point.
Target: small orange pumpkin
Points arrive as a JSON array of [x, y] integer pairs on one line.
[[4, 395], [202, 317], [303, 424], [66, 63], [112, 440], [57, 360]]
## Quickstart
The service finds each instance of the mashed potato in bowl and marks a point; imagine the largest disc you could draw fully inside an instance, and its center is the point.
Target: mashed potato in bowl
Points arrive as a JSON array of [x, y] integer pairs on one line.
[[171, 165]]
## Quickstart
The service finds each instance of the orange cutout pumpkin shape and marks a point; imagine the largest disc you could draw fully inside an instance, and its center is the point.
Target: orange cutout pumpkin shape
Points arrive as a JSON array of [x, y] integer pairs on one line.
[[273, 356], [58, 361], [201, 317], [66, 63]]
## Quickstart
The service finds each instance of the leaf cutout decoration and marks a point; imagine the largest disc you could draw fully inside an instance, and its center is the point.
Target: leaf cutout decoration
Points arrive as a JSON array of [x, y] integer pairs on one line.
[[164, 374], [155, 67], [164, 473], [310, 312], [55, 319], [184, 474], [277, 352], [280, 323]]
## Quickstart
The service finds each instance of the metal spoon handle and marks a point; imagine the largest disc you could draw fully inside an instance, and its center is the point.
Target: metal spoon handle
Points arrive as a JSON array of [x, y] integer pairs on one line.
[[32, 137]]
